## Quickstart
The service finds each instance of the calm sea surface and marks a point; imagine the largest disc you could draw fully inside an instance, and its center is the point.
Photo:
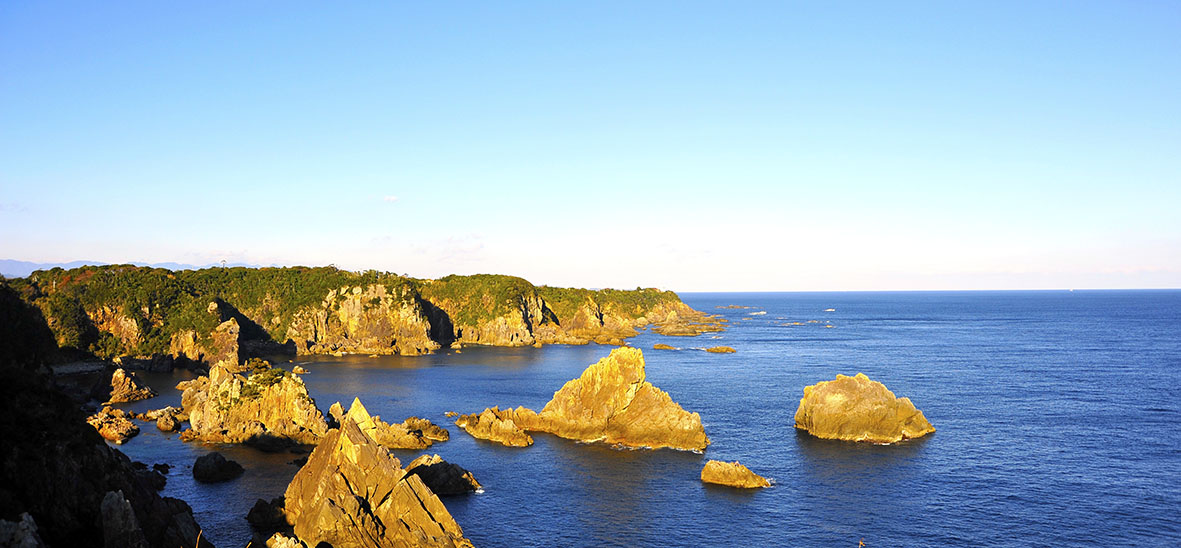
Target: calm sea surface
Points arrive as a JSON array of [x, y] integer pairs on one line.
[[1058, 417]]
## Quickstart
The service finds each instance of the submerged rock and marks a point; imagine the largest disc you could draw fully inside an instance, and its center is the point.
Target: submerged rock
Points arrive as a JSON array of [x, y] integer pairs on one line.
[[495, 425], [121, 386], [214, 468], [113, 424], [353, 493], [444, 478], [610, 402], [859, 409], [272, 406], [732, 474]]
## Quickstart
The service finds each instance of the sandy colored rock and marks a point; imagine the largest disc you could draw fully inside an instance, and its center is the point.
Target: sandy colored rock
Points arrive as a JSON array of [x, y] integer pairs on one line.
[[442, 477], [373, 319], [352, 493], [271, 404], [113, 424], [732, 474], [611, 402], [495, 425], [859, 409], [121, 386], [413, 433], [299, 370], [662, 346], [720, 350]]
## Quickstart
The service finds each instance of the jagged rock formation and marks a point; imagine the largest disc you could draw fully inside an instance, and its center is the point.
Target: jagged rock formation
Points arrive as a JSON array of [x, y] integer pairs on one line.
[[120, 386], [496, 425], [732, 474], [610, 402], [353, 493], [370, 320], [113, 424], [221, 347], [443, 478], [859, 409], [270, 405], [120, 528], [413, 433], [21, 533]]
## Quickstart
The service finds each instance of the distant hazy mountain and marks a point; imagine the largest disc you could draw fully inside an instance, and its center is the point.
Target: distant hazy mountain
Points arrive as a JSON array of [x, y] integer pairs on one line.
[[10, 268]]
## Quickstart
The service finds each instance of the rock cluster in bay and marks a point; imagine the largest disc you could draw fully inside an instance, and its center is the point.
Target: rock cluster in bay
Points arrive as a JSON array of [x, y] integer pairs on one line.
[[121, 386], [113, 424], [611, 402], [859, 409], [353, 493], [494, 424], [413, 433], [732, 474], [270, 406]]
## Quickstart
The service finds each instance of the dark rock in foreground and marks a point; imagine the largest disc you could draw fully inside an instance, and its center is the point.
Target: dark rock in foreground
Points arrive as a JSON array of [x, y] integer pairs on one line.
[[214, 468]]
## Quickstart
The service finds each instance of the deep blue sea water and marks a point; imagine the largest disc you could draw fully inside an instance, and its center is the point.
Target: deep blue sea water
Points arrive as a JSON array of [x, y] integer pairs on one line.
[[1058, 417]]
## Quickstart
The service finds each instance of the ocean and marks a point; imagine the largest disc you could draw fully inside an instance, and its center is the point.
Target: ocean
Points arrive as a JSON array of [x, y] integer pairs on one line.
[[1058, 418]]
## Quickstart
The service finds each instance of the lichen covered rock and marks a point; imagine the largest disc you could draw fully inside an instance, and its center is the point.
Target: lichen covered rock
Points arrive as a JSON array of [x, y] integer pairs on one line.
[[732, 474], [859, 409], [353, 493], [496, 425]]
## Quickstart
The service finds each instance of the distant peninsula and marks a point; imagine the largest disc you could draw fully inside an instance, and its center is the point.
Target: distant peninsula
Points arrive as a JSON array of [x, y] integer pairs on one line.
[[231, 314]]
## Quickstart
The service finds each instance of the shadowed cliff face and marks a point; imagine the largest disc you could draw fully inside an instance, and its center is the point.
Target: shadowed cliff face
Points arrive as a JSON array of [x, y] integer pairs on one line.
[[216, 316], [859, 409]]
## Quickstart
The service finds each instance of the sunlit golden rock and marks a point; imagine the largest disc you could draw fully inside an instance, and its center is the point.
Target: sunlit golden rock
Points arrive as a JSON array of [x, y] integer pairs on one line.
[[859, 409], [732, 474]]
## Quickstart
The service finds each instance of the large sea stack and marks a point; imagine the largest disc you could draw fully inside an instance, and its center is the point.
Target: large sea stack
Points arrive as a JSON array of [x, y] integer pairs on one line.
[[859, 409], [611, 402]]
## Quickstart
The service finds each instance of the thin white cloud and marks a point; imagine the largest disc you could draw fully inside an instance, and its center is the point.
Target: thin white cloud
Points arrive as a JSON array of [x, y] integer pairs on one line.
[[389, 198]]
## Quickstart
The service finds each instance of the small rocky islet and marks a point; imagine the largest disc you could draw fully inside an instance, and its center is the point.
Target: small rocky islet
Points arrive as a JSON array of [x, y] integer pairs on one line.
[[249, 401]]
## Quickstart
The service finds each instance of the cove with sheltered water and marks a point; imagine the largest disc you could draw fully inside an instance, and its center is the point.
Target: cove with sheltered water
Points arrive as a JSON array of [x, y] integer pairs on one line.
[[1047, 434]]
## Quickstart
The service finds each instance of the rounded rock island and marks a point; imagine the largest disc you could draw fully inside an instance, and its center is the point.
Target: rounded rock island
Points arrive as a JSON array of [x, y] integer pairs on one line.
[[859, 409]]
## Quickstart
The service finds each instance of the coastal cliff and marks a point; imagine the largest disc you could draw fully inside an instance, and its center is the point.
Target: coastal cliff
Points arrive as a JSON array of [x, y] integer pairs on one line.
[[227, 315]]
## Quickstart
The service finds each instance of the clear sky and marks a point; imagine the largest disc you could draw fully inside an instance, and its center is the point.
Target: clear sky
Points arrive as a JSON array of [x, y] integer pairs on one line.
[[688, 146]]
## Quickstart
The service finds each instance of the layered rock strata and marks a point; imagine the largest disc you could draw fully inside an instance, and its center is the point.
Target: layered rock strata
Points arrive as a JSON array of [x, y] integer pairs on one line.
[[732, 474], [611, 402], [353, 493], [859, 409], [271, 405]]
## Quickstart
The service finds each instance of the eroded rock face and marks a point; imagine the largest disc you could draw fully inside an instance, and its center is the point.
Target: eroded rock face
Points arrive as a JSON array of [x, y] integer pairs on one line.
[[363, 320], [113, 424], [270, 406], [732, 474], [610, 402], [859, 409], [442, 477], [121, 386], [353, 493], [496, 425]]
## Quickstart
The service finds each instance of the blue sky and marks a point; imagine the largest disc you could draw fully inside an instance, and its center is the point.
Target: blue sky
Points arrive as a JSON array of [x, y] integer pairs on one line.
[[690, 146]]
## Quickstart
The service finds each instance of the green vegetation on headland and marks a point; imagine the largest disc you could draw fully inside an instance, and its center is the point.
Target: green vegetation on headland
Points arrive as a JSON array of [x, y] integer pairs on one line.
[[124, 310]]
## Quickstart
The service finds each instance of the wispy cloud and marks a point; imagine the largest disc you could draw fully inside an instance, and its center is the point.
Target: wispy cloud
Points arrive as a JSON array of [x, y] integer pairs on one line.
[[389, 198]]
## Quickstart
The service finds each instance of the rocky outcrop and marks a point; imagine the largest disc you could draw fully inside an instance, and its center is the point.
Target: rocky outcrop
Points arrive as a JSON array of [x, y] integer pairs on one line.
[[353, 493], [270, 405], [214, 468], [413, 433], [120, 386], [113, 424], [363, 320], [662, 346], [611, 402], [167, 419], [58, 471], [120, 528], [117, 322], [21, 533], [859, 409], [732, 474], [442, 477], [720, 350], [496, 425]]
